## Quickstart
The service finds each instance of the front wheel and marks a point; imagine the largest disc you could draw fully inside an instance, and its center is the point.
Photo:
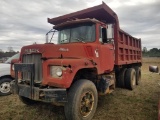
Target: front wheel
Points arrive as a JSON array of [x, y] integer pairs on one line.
[[82, 101]]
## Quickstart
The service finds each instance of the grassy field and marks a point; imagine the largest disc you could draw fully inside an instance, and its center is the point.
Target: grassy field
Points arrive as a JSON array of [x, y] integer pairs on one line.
[[122, 104]]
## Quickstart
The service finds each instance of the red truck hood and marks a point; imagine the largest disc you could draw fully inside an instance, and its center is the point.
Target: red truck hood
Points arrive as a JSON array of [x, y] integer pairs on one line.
[[72, 50]]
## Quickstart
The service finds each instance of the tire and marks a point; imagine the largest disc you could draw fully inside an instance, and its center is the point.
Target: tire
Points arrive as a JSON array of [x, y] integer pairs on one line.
[[121, 77], [5, 88], [82, 97], [27, 101], [138, 75], [130, 79]]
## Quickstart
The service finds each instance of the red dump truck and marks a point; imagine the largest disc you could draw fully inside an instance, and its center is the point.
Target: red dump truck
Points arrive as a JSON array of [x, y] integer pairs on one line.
[[91, 56]]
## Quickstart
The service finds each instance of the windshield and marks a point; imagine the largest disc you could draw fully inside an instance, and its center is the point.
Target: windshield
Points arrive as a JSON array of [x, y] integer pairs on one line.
[[79, 33], [16, 56]]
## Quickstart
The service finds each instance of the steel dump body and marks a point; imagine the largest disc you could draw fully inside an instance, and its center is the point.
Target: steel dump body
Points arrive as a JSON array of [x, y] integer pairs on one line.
[[127, 48]]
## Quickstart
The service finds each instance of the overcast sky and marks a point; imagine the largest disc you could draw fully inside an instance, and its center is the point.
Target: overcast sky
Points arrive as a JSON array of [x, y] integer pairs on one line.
[[23, 22]]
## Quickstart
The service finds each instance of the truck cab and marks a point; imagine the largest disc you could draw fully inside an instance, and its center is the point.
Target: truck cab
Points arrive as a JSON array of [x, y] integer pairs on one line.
[[49, 70]]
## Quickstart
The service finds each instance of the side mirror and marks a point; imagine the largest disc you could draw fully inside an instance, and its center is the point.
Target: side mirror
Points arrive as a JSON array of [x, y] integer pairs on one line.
[[110, 31], [154, 69]]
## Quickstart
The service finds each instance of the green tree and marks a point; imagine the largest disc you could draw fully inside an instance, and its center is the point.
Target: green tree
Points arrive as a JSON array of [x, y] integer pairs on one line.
[[154, 52]]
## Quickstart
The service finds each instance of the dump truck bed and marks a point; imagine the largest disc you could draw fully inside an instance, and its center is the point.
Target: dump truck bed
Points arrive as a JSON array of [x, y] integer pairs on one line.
[[127, 48]]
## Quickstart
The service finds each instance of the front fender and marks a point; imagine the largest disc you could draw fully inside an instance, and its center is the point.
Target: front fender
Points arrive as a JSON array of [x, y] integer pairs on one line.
[[71, 65]]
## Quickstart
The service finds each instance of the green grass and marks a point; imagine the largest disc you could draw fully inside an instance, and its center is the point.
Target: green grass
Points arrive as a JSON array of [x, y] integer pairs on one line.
[[122, 104]]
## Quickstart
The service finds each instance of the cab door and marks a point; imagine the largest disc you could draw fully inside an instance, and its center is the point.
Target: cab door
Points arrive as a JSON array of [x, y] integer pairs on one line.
[[106, 48]]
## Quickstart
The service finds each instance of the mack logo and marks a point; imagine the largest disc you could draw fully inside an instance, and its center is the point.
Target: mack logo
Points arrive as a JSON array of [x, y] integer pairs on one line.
[[64, 49], [31, 50]]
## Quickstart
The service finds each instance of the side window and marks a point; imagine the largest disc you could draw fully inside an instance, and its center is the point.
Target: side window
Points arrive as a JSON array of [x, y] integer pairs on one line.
[[106, 34], [102, 35]]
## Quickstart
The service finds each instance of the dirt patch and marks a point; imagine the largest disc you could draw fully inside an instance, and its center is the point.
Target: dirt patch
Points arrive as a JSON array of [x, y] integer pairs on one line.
[[122, 104]]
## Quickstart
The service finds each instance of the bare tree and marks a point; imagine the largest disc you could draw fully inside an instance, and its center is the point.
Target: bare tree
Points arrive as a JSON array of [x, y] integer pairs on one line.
[[10, 49]]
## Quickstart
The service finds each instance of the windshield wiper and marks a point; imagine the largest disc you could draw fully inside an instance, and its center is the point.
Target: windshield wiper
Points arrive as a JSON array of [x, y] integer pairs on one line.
[[80, 39], [52, 30]]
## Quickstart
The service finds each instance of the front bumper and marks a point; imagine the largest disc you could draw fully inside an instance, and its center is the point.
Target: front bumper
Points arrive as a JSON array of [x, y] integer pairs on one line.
[[56, 95]]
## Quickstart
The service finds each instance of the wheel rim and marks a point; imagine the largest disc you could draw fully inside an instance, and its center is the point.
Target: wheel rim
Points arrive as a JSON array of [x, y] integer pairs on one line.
[[5, 87], [87, 103]]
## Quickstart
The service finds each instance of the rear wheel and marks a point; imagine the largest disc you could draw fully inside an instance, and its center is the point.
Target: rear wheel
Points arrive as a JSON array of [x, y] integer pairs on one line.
[[138, 75], [27, 101], [82, 101], [130, 78], [120, 79]]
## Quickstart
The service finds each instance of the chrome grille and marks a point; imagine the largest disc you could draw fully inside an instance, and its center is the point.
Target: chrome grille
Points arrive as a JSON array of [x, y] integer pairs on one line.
[[36, 59]]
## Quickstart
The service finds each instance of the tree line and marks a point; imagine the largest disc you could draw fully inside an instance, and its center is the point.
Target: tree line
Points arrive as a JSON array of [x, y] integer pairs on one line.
[[154, 52], [7, 54]]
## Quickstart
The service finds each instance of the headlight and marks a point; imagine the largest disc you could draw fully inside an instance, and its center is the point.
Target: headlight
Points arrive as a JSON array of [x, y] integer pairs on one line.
[[56, 71], [59, 72]]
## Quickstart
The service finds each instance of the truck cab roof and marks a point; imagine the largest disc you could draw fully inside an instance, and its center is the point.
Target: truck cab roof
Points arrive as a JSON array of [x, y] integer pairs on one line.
[[76, 21]]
